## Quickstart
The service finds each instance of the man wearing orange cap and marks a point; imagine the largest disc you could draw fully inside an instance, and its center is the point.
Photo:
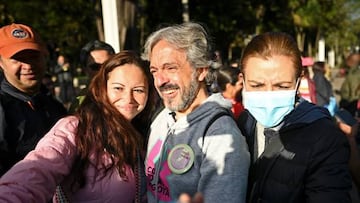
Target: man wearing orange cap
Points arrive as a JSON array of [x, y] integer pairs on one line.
[[27, 112]]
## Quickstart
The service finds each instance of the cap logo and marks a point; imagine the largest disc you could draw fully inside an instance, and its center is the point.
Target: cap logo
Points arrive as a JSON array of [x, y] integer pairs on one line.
[[19, 33]]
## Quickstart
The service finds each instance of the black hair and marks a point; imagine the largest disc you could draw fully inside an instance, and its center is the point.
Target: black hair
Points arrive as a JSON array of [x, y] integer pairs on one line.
[[319, 66], [91, 46], [227, 75]]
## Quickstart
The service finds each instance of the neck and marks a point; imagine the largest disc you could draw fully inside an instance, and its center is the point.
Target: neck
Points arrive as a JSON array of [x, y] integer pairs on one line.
[[227, 95], [32, 91]]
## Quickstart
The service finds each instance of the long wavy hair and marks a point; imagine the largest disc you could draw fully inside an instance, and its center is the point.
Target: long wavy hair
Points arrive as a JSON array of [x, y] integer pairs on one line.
[[103, 129]]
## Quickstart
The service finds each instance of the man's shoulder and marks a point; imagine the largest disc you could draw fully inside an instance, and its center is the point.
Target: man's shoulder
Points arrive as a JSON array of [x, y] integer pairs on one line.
[[353, 75], [6, 97], [221, 119]]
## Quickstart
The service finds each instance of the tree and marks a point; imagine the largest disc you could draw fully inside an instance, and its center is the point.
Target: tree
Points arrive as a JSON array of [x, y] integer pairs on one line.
[[229, 22], [69, 24], [129, 38], [64, 25], [333, 20]]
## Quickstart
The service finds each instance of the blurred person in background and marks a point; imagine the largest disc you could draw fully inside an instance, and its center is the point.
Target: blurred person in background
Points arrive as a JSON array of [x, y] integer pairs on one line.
[[324, 91], [307, 88], [350, 88], [230, 84], [64, 80], [323, 86], [351, 61], [92, 55]]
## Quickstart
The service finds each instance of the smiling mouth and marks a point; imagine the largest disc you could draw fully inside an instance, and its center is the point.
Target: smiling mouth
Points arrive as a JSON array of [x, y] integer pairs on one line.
[[169, 91], [129, 108], [29, 75]]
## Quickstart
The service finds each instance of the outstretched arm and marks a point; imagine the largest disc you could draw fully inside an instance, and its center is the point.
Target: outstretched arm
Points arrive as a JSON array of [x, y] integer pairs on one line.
[[35, 178]]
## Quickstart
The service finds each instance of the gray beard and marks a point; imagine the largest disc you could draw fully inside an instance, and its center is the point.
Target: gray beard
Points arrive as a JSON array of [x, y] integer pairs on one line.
[[188, 97]]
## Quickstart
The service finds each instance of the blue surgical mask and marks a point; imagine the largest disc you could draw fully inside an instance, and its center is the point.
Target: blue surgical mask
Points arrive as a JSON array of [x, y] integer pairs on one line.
[[269, 107]]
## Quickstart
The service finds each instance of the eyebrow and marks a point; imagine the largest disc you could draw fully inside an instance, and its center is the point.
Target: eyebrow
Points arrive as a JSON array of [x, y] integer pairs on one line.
[[118, 83], [280, 82], [165, 64]]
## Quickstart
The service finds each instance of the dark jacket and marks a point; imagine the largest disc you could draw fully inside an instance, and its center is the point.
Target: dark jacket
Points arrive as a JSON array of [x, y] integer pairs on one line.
[[24, 120], [309, 165], [323, 89]]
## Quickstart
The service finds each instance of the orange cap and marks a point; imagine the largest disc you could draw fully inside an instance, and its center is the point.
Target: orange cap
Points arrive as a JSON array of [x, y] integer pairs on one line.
[[18, 37]]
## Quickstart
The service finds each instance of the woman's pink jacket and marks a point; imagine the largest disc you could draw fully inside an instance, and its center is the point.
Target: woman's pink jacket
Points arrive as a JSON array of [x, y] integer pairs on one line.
[[35, 178]]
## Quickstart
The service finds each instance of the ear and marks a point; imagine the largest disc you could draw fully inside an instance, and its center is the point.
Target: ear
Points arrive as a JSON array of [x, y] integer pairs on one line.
[[241, 79], [202, 73]]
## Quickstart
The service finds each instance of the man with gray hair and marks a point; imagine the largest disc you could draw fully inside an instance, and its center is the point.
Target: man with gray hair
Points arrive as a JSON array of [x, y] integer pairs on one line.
[[194, 143]]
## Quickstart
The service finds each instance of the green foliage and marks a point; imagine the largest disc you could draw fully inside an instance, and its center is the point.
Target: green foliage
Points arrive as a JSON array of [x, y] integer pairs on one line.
[[331, 19], [69, 24], [65, 25], [227, 21]]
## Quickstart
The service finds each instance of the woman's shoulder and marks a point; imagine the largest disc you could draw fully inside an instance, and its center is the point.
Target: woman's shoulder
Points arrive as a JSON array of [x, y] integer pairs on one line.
[[69, 122], [319, 131], [62, 133], [323, 133]]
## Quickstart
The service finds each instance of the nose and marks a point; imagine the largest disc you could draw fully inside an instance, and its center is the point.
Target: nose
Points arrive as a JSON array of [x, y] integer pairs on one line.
[[25, 65], [160, 78], [128, 97]]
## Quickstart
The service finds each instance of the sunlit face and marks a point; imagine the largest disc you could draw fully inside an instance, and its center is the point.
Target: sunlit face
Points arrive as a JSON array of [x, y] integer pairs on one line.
[[174, 78], [24, 70], [127, 90], [272, 74]]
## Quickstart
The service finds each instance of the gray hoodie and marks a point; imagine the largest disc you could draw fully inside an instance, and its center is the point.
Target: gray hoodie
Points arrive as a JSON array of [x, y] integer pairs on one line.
[[201, 152]]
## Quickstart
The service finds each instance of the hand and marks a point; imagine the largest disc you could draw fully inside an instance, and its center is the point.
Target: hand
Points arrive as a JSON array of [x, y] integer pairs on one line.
[[185, 198]]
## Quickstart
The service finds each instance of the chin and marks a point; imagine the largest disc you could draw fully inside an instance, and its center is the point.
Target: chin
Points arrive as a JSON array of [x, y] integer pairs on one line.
[[32, 84], [128, 117]]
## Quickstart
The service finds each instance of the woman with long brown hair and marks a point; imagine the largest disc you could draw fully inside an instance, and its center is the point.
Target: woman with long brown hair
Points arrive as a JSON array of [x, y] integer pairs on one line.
[[94, 155]]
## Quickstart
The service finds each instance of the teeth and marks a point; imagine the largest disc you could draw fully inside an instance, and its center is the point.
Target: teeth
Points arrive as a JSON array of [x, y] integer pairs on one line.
[[169, 91]]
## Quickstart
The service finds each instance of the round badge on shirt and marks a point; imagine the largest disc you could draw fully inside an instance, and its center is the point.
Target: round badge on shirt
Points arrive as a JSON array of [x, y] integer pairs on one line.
[[181, 158]]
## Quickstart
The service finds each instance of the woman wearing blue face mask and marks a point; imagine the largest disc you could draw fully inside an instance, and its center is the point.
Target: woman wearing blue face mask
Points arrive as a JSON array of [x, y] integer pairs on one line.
[[298, 153]]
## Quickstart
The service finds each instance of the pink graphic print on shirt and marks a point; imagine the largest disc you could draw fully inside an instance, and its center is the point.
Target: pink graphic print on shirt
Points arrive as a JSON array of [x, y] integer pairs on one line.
[[162, 186]]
